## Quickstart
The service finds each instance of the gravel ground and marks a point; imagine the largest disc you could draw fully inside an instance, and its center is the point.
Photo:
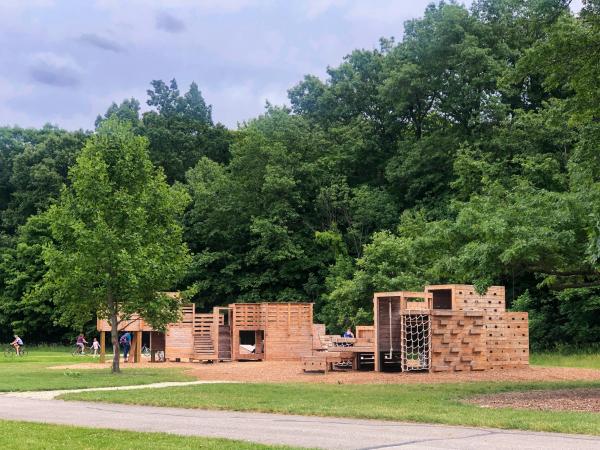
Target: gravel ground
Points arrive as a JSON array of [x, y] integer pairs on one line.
[[581, 400], [291, 371]]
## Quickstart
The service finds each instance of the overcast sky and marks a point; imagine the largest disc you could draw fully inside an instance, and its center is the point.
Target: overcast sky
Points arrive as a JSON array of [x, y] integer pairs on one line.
[[65, 61]]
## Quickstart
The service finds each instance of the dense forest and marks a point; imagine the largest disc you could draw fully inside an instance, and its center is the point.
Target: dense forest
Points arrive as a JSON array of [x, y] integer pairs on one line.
[[466, 151]]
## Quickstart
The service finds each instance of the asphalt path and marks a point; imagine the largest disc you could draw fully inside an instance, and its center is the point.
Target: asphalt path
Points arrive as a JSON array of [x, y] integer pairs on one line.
[[322, 432]]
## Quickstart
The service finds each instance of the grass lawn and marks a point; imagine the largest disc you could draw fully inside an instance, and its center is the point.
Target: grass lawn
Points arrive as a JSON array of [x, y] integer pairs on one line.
[[585, 359], [430, 403], [31, 373], [28, 435]]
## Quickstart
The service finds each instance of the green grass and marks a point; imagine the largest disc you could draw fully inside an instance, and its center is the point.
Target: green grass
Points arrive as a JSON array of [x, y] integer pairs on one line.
[[585, 359], [28, 435], [430, 403], [32, 373]]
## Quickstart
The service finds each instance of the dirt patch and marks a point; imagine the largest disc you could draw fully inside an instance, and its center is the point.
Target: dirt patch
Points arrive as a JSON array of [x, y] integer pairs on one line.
[[291, 371], [579, 400]]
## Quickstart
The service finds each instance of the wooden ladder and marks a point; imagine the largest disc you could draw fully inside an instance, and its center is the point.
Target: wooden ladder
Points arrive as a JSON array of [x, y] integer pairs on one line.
[[203, 338]]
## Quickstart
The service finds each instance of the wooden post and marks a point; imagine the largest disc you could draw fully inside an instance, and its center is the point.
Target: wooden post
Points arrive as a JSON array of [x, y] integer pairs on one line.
[[215, 332], [235, 334], [152, 350], [102, 347], [131, 356], [376, 332], [138, 347]]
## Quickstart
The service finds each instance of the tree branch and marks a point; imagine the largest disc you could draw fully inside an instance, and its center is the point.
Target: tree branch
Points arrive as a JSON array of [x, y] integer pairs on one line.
[[583, 284]]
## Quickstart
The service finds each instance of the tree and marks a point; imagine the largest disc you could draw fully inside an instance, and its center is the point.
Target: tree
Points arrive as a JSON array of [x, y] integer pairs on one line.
[[116, 239], [21, 269], [127, 111], [181, 130]]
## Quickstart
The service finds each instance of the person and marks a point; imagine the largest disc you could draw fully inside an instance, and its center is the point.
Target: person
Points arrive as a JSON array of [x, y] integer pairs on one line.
[[17, 344], [348, 333], [81, 343], [95, 347], [125, 341]]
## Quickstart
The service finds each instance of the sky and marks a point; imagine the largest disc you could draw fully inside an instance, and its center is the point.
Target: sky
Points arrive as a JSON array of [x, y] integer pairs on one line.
[[65, 61]]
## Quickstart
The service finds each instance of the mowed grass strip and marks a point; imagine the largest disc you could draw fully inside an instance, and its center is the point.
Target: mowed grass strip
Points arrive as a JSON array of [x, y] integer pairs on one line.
[[33, 373], [583, 359], [439, 403], [30, 435]]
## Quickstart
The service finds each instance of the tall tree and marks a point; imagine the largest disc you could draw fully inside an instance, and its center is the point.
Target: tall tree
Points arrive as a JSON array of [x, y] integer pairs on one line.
[[116, 239], [181, 130]]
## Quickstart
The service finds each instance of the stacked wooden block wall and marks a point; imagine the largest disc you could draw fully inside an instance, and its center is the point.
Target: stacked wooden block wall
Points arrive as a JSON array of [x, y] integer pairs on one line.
[[508, 341], [458, 341], [507, 334]]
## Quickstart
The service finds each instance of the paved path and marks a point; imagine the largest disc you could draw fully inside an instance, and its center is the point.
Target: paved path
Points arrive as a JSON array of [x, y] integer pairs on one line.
[[303, 431], [49, 395]]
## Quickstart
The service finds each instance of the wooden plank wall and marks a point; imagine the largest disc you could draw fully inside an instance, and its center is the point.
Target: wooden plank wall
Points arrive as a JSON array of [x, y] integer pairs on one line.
[[458, 341], [179, 338], [318, 330], [383, 324], [289, 330], [244, 316], [366, 332]]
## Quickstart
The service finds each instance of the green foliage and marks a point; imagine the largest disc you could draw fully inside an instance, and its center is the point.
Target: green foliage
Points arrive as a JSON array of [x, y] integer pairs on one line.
[[21, 269], [465, 152], [116, 241], [181, 130]]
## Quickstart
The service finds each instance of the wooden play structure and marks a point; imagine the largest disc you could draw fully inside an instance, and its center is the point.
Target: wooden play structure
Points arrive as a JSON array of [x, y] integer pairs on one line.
[[238, 332], [444, 328]]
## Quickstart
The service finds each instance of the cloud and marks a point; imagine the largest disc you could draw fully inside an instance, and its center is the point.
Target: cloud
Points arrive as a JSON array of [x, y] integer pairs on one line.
[[169, 23], [55, 70], [101, 42], [315, 8], [384, 11]]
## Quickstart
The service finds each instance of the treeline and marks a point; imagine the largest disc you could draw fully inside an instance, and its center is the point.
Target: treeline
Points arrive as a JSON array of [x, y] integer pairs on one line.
[[469, 151]]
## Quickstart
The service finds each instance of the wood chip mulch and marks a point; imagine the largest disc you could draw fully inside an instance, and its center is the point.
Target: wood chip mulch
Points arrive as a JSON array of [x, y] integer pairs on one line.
[[291, 372], [578, 400]]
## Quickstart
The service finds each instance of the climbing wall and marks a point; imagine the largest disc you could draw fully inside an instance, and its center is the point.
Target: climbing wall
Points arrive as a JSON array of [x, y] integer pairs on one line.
[[505, 334], [458, 341], [508, 341]]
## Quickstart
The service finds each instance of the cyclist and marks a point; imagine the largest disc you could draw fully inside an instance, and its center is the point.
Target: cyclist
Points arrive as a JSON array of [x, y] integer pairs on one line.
[[81, 343], [17, 344]]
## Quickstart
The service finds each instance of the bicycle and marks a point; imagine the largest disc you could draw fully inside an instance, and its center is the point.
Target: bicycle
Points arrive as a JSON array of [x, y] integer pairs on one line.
[[11, 352], [78, 351]]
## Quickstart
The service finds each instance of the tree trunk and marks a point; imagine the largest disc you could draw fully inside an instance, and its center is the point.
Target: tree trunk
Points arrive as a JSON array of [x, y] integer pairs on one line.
[[114, 333]]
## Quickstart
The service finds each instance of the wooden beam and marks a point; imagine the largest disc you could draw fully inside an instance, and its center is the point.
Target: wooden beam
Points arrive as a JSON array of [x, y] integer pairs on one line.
[[138, 347], [102, 347], [377, 367], [215, 332]]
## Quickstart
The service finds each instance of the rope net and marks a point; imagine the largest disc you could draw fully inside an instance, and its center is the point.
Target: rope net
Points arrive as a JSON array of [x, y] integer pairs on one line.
[[416, 336]]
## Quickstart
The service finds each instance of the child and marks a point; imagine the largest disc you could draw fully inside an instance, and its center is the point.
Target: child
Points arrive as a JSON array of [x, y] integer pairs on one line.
[[95, 346]]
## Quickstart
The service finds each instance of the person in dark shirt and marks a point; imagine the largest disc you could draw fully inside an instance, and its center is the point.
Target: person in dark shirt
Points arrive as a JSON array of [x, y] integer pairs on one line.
[[125, 341], [81, 343]]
